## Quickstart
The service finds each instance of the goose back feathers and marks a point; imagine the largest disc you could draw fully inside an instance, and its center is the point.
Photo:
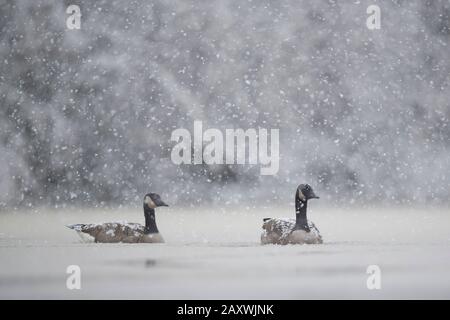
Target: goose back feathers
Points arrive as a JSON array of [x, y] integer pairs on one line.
[[281, 231], [112, 232]]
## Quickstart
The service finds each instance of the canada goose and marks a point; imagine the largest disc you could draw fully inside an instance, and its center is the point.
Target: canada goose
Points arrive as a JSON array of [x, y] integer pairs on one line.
[[123, 231], [290, 231]]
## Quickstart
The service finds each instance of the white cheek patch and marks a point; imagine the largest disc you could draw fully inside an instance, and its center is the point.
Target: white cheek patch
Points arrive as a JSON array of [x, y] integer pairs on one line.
[[301, 195], [149, 202]]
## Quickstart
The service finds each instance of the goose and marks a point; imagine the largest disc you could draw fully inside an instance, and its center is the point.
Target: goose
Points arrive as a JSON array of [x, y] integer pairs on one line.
[[111, 232], [289, 231]]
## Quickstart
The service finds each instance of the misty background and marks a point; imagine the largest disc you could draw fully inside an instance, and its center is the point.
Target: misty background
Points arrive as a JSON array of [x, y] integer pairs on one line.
[[86, 115]]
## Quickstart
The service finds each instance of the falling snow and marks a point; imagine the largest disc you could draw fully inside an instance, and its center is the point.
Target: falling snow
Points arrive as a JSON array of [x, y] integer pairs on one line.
[[86, 115]]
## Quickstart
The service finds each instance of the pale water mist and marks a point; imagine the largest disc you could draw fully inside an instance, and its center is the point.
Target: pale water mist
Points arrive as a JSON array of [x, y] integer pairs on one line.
[[217, 255]]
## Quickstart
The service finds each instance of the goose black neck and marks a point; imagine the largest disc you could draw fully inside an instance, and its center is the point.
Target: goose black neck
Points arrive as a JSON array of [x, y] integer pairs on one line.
[[301, 221], [150, 221]]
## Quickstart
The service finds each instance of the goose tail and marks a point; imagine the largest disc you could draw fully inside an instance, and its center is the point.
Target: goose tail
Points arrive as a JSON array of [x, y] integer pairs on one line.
[[76, 227], [80, 228]]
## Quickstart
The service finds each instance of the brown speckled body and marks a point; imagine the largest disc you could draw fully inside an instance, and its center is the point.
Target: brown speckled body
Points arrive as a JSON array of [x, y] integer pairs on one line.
[[114, 232], [281, 231]]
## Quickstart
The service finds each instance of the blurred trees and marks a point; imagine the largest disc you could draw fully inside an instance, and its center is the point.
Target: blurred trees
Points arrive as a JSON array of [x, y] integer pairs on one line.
[[86, 115]]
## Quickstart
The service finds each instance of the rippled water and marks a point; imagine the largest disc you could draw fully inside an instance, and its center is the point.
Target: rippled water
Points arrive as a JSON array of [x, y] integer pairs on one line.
[[211, 254]]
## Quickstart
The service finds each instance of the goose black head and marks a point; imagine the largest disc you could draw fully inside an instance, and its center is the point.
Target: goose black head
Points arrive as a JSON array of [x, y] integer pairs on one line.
[[305, 192], [153, 200]]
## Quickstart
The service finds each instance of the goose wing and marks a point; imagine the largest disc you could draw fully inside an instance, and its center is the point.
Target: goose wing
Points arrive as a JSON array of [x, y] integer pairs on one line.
[[279, 231], [276, 231], [109, 232]]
